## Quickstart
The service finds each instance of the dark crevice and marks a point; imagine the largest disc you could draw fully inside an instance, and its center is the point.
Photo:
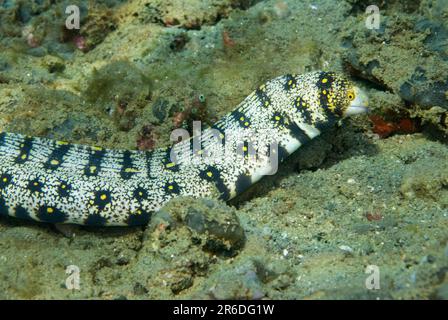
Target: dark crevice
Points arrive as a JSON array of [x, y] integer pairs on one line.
[[364, 74]]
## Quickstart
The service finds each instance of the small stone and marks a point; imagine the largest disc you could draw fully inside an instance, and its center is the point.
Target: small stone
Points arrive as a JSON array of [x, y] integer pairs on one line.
[[181, 284], [139, 289], [346, 249]]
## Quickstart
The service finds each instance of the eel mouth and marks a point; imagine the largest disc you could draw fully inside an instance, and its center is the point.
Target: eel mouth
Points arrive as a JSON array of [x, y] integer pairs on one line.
[[359, 105]]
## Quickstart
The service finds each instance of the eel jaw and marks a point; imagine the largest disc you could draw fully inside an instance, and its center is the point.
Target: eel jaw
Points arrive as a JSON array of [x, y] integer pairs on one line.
[[359, 105]]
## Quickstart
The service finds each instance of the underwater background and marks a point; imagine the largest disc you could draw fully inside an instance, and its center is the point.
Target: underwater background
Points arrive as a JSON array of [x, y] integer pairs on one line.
[[370, 196]]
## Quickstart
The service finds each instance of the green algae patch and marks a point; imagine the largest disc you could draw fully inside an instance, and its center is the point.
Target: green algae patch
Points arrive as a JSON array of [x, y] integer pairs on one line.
[[119, 80], [121, 90], [57, 114]]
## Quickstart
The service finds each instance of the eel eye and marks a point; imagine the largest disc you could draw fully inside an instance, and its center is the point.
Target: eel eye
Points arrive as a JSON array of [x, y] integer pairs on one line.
[[351, 95]]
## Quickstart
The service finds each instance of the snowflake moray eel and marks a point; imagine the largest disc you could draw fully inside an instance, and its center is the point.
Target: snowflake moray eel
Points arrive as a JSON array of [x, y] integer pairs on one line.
[[57, 182]]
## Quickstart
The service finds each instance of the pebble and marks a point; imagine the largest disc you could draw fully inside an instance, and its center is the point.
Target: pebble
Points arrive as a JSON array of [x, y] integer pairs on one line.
[[346, 249]]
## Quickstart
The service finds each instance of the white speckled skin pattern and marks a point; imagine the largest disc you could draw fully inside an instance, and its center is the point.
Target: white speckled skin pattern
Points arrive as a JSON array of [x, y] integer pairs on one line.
[[57, 182]]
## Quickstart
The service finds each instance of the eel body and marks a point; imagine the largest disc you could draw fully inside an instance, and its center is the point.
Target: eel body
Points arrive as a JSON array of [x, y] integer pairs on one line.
[[57, 182]]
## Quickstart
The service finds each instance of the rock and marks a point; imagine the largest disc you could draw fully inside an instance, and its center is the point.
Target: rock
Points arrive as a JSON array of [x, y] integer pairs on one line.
[[211, 221], [240, 283], [346, 249]]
